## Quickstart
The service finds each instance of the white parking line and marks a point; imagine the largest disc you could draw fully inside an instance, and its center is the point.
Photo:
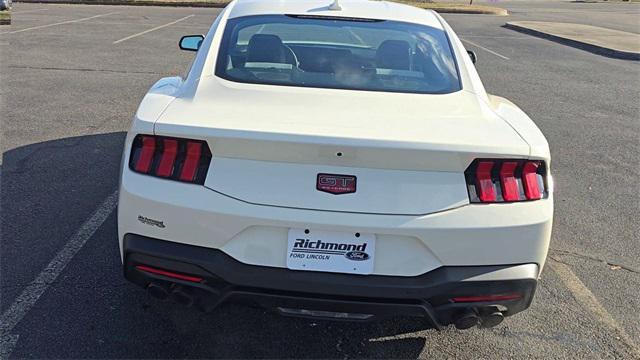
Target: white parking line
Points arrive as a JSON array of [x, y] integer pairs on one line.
[[485, 49], [153, 29], [590, 303], [30, 295], [58, 23], [26, 11]]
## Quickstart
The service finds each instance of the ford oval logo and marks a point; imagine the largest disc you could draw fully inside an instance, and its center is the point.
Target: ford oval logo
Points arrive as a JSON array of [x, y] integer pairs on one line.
[[357, 255]]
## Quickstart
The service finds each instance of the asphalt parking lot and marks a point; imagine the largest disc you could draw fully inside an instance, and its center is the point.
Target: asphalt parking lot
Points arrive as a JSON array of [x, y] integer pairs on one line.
[[71, 78]]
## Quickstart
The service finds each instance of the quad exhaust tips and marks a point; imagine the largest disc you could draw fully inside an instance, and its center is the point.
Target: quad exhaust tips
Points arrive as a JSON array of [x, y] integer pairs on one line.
[[158, 291], [466, 318], [486, 318]]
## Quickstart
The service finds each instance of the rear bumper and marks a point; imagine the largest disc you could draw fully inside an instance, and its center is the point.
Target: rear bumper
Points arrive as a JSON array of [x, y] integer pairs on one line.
[[318, 294]]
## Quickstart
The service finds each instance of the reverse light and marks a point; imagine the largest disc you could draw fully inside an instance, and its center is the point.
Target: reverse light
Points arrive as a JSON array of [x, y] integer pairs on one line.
[[506, 180], [177, 159]]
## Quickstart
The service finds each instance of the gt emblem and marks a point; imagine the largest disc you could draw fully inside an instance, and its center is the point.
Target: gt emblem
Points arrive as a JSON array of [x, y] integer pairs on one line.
[[336, 184]]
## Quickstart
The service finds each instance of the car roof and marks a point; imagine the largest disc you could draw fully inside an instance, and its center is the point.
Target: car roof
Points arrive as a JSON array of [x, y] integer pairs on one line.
[[367, 9]]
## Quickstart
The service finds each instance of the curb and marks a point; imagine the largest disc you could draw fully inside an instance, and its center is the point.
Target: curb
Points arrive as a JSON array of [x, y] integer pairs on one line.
[[5, 20], [200, 4], [596, 49], [454, 10]]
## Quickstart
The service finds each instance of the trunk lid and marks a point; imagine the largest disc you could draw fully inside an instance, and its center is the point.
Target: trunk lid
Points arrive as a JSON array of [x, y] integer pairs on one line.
[[407, 151]]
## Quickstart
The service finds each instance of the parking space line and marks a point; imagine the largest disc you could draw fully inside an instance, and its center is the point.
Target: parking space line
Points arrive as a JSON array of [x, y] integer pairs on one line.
[[59, 23], [30, 295], [26, 11], [590, 303], [485, 49], [153, 29]]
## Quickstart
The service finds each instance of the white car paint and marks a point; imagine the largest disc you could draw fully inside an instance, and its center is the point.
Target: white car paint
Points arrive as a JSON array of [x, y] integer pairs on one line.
[[419, 145]]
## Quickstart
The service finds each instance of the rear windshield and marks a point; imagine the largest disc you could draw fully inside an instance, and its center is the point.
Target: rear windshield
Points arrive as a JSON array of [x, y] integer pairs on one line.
[[327, 52]]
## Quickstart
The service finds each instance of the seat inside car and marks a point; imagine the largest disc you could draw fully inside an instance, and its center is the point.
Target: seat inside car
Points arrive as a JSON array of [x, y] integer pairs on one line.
[[394, 54], [269, 48]]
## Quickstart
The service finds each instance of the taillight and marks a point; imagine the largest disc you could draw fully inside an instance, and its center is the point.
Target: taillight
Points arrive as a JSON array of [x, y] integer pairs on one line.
[[498, 180], [484, 182], [171, 158]]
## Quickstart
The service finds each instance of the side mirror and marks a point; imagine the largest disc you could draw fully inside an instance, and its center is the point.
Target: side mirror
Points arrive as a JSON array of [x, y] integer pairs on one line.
[[191, 42], [473, 56]]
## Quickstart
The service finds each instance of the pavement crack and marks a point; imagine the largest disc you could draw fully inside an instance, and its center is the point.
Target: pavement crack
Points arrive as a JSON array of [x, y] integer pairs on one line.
[[83, 69], [593, 258]]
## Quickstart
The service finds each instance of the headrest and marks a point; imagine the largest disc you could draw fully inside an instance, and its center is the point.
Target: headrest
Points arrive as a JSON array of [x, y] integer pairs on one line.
[[266, 48], [394, 54]]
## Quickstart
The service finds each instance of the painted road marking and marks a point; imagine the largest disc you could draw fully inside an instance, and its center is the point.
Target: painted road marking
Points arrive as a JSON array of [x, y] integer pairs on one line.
[[30, 295], [153, 29], [485, 49], [590, 303], [7, 343], [59, 23]]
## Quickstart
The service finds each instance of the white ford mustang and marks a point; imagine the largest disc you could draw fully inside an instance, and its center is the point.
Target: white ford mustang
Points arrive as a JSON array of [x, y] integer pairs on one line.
[[335, 160]]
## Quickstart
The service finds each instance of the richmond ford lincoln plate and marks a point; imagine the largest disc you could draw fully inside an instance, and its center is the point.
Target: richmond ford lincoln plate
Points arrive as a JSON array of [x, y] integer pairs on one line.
[[336, 160]]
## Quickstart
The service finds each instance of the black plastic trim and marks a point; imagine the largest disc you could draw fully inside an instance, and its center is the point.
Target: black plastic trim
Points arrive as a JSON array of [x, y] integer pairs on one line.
[[228, 280]]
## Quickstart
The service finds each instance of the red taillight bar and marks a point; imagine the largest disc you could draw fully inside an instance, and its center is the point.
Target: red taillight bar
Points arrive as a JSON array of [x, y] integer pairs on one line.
[[510, 191], [506, 180], [484, 183], [530, 180], [190, 166], [145, 159], [484, 298], [170, 274], [170, 158]]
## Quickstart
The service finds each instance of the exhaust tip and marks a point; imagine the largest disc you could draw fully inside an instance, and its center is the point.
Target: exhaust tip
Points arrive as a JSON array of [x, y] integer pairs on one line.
[[157, 291], [466, 320], [493, 319], [181, 296]]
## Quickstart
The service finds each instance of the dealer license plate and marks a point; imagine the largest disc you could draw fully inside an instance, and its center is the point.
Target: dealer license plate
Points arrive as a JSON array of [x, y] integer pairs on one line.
[[331, 251]]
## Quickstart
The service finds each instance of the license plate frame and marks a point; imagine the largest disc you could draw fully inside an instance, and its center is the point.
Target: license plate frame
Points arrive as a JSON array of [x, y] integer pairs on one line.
[[331, 251]]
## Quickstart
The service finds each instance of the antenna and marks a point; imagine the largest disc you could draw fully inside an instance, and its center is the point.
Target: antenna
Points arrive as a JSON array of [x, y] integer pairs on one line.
[[335, 6]]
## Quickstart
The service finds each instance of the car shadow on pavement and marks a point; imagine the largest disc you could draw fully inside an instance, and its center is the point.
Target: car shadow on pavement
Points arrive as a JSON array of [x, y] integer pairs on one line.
[[48, 190]]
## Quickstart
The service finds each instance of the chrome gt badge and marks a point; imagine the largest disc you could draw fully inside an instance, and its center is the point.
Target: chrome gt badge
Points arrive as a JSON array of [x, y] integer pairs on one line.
[[336, 184]]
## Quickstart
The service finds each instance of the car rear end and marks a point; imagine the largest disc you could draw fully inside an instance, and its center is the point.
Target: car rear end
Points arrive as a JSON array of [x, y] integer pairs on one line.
[[337, 203], [447, 238]]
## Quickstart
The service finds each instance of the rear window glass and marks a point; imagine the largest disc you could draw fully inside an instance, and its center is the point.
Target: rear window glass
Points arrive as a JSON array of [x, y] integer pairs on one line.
[[338, 53]]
